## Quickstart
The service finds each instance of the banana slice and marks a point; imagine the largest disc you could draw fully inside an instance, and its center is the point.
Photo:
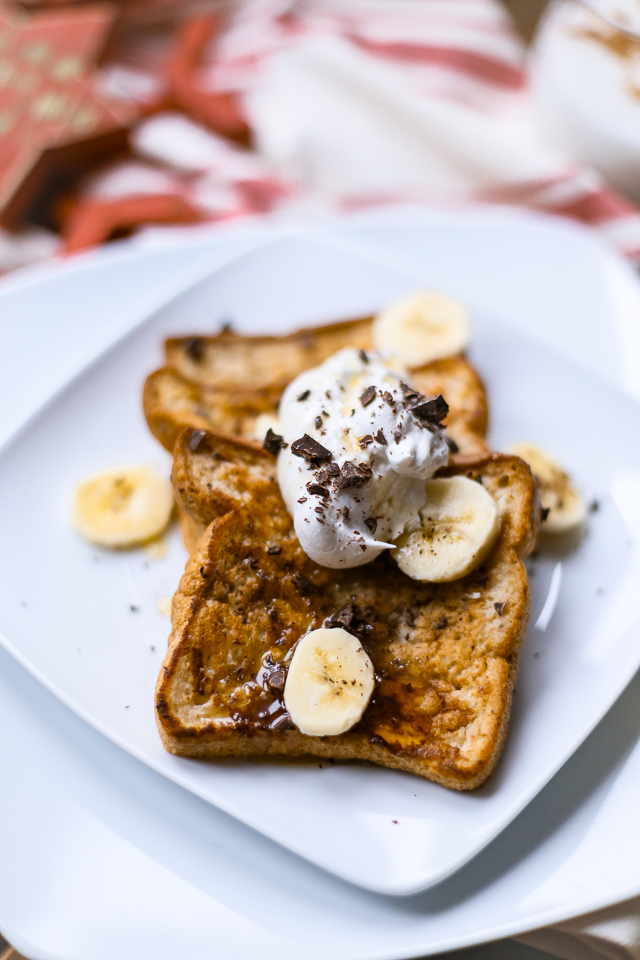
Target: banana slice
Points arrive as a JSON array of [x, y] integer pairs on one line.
[[558, 495], [460, 524], [123, 507], [329, 683], [422, 328]]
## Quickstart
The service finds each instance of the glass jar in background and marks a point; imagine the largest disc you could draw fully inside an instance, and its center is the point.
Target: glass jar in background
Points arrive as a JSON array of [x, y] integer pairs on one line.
[[585, 68]]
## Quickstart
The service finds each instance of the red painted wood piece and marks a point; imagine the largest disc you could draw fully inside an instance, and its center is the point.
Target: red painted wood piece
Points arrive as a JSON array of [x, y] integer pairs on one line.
[[93, 222], [221, 112], [48, 98]]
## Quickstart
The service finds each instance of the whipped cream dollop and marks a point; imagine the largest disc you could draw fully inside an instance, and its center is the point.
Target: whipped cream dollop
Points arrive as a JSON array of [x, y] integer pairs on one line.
[[360, 444]]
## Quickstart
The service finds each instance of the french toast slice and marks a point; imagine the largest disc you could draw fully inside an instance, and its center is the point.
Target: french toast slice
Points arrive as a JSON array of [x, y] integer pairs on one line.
[[224, 382], [445, 655]]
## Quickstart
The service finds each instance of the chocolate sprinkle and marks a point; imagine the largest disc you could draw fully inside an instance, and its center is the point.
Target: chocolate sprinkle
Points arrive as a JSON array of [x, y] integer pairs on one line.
[[282, 723], [312, 451], [368, 396], [380, 437], [442, 622], [411, 395], [499, 608], [275, 680], [325, 473], [354, 475], [304, 395], [432, 410], [272, 442], [196, 439], [317, 490], [274, 549], [343, 618], [194, 349], [303, 584]]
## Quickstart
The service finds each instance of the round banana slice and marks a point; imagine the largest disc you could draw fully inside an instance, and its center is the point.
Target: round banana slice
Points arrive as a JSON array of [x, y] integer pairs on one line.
[[558, 494], [123, 507], [329, 683], [422, 328], [460, 524]]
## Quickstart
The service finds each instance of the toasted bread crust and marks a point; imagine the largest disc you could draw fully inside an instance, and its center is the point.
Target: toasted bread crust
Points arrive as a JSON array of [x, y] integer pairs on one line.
[[445, 656], [224, 383]]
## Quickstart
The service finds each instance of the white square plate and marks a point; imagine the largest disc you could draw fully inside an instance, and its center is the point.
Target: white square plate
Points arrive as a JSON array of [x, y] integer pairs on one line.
[[67, 609]]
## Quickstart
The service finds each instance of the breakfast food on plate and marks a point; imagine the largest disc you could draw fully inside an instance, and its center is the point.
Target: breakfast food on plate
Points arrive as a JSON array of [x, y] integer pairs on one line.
[[227, 382], [563, 508], [123, 507], [356, 586], [444, 654]]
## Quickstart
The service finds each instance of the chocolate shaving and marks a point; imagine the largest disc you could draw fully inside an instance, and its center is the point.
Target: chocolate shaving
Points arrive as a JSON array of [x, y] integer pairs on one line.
[[272, 442], [410, 394], [431, 410], [303, 584], [196, 439], [397, 435], [380, 437], [282, 723], [442, 622], [365, 441], [273, 549], [544, 513], [372, 523], [312, 451], [275, 680], [194, 349], [304, 395], [389, 399], [318, 422], [354, 475], [345, 513], [344, 618], [368, 396], [499, 607], [325, 473], [453, 446], [363, 356], [317, 490]]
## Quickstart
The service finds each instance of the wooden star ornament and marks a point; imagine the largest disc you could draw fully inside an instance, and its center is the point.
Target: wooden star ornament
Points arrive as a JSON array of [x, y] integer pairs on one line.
[[54, 121]]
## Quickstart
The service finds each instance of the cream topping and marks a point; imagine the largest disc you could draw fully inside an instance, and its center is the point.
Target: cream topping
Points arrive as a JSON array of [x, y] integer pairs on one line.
[[367, 445]]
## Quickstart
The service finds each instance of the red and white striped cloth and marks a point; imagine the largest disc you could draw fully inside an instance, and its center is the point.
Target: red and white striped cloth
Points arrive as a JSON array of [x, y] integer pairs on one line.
[[362, 102]]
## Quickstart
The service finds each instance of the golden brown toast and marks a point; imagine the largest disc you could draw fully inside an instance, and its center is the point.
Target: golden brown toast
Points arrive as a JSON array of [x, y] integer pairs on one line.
[[445, 655], [223, 383]]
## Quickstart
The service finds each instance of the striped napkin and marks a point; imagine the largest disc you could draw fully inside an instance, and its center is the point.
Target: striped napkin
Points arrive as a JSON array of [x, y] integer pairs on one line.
[[355, 103]]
